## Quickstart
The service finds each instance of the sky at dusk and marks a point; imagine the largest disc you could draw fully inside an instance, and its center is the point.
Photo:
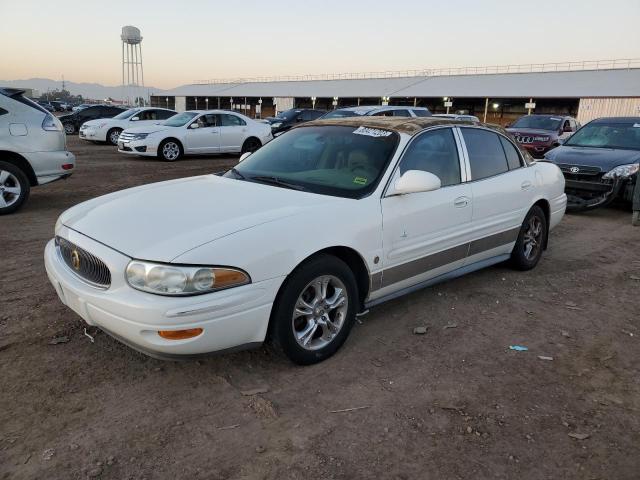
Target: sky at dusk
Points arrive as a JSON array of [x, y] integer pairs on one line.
[[195, 40]]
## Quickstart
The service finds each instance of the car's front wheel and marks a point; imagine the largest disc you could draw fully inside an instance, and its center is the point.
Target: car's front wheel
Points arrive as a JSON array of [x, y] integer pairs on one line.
[[69, 128], [530, 243], [14, 188], [315, 310], [170, 150], [113, 135]]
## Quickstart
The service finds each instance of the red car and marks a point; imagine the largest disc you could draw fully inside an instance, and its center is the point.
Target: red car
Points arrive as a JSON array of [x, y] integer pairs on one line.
[[540, 133]]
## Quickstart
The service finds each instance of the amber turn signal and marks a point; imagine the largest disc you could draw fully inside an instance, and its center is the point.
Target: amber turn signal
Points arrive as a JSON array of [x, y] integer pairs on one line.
[[180, 334]]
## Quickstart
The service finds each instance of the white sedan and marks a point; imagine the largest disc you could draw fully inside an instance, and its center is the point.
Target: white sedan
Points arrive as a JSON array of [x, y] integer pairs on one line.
[[322, 223], [196, 132], [109, 129]]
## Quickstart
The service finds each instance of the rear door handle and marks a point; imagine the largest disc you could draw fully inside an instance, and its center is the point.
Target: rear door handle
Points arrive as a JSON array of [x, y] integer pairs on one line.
[[461, 202], [526, 185]]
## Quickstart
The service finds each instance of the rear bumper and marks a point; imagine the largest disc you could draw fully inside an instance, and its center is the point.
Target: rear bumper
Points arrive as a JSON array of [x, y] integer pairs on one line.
[[51, 166]]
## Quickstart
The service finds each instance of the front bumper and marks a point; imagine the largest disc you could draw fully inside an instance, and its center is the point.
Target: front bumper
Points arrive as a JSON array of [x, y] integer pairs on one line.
[[585, 195], [138, 147], [92, 134], [48, 166], [230, 319]]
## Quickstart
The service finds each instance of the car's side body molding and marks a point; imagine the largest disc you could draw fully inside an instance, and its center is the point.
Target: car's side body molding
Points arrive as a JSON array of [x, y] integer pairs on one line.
[[439, 279], [422, 265]]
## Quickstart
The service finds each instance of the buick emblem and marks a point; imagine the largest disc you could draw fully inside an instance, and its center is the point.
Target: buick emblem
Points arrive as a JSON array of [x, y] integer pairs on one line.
[[75, 260], [574, 169]]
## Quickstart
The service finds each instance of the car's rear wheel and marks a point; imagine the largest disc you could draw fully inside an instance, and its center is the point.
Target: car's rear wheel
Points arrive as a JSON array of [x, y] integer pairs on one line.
[[170, 150], [530, 244], [69, 128], [14, 188], [250, 145], [315, 310], [113, 135]]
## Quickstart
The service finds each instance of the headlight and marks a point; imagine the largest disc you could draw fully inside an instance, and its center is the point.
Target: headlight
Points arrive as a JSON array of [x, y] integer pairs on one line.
[[182, 280], [622, 171], [276, 125], [139, 136]]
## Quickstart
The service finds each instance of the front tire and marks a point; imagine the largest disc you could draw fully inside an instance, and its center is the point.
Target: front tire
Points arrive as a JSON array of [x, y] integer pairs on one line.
[[14, 188], [69, 128], [315, 310], [170, 150], [530, 244], [250, 145], [112, 136]]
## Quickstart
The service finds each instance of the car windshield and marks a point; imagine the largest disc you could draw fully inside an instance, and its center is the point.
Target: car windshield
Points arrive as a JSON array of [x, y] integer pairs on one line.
[[539, 123], [288, 114], [343, 114], [179, 119], [607, 135], [330, 160], [126, 114]]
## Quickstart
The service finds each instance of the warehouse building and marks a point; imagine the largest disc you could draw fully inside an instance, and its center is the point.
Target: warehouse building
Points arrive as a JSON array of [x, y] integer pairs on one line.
[[499, 98]]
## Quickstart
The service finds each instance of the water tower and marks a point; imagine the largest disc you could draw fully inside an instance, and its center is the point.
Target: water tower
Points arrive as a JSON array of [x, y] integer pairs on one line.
[[132, 72]]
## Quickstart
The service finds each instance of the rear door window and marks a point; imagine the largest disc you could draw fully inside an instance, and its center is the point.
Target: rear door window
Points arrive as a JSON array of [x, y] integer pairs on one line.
[[227, 120], [486, 155], [164, 114]]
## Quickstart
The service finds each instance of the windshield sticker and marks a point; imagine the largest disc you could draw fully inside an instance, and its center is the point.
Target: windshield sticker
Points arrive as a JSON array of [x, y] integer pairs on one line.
[[360, 181], [371, 132], [554, 118]]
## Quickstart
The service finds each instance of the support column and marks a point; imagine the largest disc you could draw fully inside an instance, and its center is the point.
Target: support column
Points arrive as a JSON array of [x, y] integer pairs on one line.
[[486, 107]]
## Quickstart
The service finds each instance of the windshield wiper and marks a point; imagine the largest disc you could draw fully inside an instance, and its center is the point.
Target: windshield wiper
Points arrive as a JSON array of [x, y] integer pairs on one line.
[[277, 182], [237, 173]]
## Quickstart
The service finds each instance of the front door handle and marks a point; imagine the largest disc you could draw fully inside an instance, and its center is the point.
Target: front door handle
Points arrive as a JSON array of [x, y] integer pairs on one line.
[[461, 202], [526, 185]]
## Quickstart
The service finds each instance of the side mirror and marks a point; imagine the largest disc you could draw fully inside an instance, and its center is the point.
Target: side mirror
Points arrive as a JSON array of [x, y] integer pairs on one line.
[[244, 156], [135, 119], [415, 181], [194, 125]]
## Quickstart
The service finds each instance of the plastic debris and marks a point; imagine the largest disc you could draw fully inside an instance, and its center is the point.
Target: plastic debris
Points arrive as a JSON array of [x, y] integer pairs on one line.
[[542, 357], [579, 436], [58, 340], [518, 348], [93, 340], [451, 325]]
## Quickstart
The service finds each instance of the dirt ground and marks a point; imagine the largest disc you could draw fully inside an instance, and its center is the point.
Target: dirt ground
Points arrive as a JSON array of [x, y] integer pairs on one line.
[[454, 403]]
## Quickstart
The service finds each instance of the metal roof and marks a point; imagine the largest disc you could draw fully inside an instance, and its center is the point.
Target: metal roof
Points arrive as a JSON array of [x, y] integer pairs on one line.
[[575, 84]]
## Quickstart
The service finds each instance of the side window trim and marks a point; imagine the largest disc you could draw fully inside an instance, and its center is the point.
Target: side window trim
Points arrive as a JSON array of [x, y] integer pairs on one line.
[[466, 153]]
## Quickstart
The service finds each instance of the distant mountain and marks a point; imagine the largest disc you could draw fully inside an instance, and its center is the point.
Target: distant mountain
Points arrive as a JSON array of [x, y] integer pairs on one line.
[[93, 91]]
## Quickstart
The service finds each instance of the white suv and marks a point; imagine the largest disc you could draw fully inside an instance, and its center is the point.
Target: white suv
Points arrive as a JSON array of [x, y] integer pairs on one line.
[[32, 149], [109, 129]]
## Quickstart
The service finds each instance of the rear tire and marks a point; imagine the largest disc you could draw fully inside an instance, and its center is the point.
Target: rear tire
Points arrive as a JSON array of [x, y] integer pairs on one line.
[[250, 145], [170, 150], [112, 136], [315, 310], [14, 188], [531, 240]]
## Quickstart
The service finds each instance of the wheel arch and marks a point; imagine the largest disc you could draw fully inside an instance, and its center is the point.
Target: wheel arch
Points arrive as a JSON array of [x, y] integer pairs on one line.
[[20, 162], [543, 203], [250, 137], [348, 255], [175, 139]]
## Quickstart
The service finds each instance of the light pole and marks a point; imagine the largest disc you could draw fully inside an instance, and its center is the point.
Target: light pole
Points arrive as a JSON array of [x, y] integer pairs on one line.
[[231, 103], [167, 100], [447, 103], [335, 102], [259, 109], [313, 102], [206, 102], [196, 102], [385, 101]]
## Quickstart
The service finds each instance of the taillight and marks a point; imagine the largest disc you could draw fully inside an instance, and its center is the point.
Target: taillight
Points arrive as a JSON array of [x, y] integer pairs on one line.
[[67, 166], [51, 124]]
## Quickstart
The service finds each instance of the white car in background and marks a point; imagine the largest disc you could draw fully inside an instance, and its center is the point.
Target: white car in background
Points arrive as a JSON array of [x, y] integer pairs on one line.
[[196, 132], [109, 129], [325, 221], [378, 111], [456, 116]]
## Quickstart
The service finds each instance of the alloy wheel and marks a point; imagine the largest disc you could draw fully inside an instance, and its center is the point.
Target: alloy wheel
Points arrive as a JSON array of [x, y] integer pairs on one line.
[[113, 136], [69, 128], [10, 189], [320, 312], [532, 240], [171, 151]]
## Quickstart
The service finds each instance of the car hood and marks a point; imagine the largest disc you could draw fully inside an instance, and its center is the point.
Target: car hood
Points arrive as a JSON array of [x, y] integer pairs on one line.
[[69, 116], [605, 158], [161, 221], [532, 131]]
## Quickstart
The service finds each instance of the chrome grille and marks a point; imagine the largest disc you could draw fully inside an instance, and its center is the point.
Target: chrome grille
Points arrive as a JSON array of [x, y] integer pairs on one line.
[[126, 137], [83, 264], [523, 139]]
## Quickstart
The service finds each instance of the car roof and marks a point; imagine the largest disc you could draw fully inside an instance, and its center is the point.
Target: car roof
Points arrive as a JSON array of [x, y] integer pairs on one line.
[[616, 120], [407, 125], [364, 109]]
